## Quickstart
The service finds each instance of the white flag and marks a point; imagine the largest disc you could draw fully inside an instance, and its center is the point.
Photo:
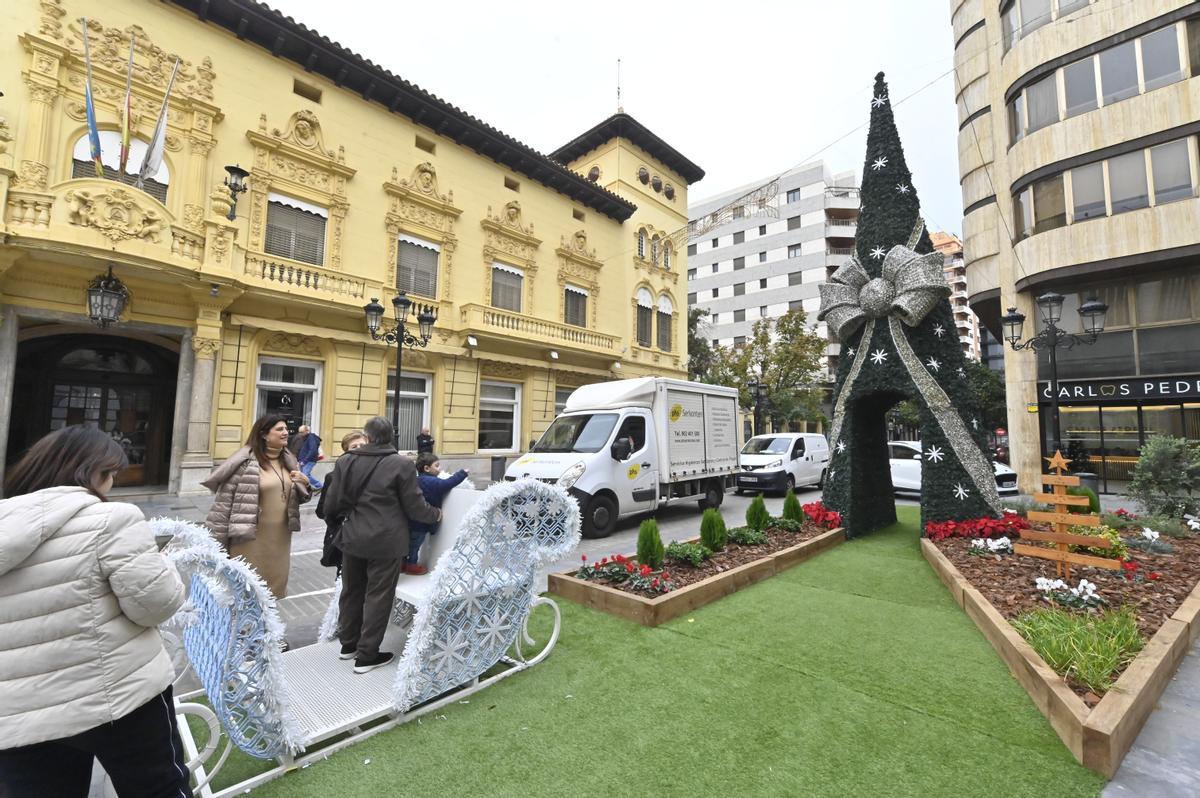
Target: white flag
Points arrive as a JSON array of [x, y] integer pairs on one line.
[[154, 153]]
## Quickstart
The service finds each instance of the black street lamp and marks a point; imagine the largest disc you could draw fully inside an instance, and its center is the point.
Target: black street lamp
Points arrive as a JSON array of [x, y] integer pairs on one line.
[[401, 337], [757, 387], [106, 299], [1091, 317], [236, 183]]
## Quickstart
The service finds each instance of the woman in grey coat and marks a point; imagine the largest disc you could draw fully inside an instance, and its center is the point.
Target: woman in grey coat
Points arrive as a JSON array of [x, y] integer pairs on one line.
[[259, 490], [375, 490]]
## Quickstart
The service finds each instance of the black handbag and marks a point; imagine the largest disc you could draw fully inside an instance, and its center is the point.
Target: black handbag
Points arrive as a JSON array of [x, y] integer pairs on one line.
[[331, 554]]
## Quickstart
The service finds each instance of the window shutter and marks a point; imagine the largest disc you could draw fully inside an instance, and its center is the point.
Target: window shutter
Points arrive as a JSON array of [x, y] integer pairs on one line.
[[296, 234], [575, 307], [88, 169], [506, 289], [664, 331], [416, 269], [645, 320]]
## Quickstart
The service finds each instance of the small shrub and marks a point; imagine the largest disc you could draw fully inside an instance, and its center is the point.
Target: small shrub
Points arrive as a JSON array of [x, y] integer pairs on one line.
[[1170, 527], [747, 536], [712, 530], [1117, 551], [786, 524], [650, 545], [1093, 500], [791, 508], [694, 554], [1021, 506], [1086, 649], [1149, 545], [1166, 479], [1120, 521], [757, 515]]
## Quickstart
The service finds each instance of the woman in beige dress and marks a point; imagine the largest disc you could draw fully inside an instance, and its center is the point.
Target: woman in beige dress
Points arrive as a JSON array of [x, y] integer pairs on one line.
[[259, 490]]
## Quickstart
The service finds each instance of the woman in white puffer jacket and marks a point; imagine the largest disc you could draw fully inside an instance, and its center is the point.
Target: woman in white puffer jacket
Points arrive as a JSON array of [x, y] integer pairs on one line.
[[83, 671]]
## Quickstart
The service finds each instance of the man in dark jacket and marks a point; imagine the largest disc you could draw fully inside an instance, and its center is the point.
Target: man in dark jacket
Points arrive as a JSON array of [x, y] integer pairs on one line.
[[424, 441], [375, 490]]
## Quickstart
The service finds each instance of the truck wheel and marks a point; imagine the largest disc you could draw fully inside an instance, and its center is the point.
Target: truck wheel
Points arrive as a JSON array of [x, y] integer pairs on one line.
[[740, 492], [599, 517], [714, 494]]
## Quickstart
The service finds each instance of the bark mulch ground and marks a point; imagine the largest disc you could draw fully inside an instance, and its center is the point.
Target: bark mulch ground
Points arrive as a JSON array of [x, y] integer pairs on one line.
[[732, 556], [1007, 581]]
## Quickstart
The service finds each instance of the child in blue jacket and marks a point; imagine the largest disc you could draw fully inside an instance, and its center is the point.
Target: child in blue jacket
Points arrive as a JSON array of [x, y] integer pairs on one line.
[[435, 489]]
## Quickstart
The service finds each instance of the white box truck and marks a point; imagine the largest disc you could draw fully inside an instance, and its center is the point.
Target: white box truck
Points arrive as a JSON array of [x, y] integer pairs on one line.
[[631, 446]]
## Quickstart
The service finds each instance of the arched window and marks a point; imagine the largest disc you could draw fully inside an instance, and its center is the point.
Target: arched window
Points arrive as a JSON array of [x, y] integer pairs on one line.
[[645, 317], [654, 249], [110, 157], [666, 314], [641, 243], [666, 256]]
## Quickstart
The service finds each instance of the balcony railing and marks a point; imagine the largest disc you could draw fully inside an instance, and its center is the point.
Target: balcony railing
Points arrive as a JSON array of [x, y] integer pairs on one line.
[[488, 319], [841, 223], [842, 193], [301, 278], [839, 250]]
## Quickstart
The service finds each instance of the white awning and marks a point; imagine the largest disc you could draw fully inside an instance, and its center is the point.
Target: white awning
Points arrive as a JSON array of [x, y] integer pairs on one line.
[[504, 267], [576, 289], [645, 298], [665, 305], [300, 205], [420, 242]]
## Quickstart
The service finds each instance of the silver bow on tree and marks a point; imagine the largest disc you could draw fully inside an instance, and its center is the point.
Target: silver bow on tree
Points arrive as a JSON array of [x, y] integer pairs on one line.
[[910, 287]]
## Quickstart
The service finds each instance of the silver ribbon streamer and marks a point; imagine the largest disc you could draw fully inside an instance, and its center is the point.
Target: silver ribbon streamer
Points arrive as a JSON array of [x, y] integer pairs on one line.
[[910, 287]]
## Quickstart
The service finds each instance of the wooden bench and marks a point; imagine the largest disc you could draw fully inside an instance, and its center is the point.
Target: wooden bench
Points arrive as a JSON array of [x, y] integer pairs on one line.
[[471, 613]]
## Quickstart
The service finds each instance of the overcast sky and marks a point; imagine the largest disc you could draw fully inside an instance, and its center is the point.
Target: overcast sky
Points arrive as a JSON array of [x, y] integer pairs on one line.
[[746, 89]]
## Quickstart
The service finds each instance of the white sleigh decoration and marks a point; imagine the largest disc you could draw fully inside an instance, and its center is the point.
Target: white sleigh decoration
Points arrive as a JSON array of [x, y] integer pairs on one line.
[[469, 615]]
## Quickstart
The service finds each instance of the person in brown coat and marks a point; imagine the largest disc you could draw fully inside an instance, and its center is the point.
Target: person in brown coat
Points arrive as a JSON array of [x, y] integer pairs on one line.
[[375, 490], [259, 490]]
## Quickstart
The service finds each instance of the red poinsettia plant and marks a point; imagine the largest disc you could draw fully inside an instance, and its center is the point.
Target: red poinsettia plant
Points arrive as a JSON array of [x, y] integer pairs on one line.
[[621, 570], [818, 514], [1008, 525]]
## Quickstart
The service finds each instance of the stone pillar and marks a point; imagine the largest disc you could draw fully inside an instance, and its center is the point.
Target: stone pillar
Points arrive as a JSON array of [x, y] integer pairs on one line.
[[8, 373], [183, 393], [197, 460]]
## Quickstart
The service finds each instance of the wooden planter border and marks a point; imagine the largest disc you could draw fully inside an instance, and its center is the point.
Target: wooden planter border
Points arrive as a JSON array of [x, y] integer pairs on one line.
[[1100, 737], [658, 610]]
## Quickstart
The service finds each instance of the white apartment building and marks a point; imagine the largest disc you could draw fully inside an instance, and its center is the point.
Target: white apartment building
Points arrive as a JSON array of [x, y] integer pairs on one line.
[[965, 321], [756, 266]]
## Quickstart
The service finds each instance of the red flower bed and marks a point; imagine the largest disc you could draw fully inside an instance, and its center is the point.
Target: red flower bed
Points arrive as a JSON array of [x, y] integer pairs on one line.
[[1007, 526], [816, 512]]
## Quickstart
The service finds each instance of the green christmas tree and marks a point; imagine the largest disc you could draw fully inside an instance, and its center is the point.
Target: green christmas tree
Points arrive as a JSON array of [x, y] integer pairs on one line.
[[889, 307]]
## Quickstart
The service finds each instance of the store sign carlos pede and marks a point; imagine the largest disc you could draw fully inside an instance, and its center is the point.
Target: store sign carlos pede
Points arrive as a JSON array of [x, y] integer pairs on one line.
[[1170, 388]]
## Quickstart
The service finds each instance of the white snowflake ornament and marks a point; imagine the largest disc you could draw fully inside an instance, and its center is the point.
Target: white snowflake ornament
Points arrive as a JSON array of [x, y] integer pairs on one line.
[[878, 253], [939, 330], [880, 101], [960, 492], [934, 454], [879, 356], [903, 189], [879, 163], [933, 364]]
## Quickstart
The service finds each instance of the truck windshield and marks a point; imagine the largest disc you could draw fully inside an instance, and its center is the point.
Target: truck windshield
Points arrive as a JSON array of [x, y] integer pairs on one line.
[[579, 433], [766, 445]]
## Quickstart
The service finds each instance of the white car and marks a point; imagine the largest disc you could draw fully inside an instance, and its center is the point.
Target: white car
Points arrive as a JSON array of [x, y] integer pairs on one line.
[[906, 456], [781, 461]]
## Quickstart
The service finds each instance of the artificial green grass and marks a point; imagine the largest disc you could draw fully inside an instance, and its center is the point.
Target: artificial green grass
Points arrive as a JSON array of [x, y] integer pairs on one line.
[[853, 674], [1086, 648]]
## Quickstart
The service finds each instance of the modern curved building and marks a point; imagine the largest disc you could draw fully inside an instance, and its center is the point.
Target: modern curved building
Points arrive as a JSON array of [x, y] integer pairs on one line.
[[1078, 162]]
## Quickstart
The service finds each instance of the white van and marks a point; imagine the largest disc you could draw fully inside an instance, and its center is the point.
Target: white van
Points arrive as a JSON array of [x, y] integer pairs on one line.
[[632, 446], [781, 461]]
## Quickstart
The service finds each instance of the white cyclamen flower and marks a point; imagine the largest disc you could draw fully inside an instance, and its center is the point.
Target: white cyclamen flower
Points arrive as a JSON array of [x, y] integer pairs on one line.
[[1149, 534]]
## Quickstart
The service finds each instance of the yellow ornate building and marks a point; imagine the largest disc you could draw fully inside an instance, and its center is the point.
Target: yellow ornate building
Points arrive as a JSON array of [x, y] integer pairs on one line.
[[547, 272]]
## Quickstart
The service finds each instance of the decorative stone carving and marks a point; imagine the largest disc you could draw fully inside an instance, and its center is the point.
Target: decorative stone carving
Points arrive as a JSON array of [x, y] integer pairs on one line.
[[5, 136], [511, 217], [292, 344], [152, 64], [502, 368], [32, 175], [304, 130], [416, 207], [33, 209], [116, 213], [51, 22], [508, 240], [205, 348], [193, 217], [220, 202]]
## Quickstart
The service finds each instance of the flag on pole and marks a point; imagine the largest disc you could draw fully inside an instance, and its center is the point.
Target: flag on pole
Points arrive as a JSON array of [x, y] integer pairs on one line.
[[126, 109], [154, 152], [90, 106]]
